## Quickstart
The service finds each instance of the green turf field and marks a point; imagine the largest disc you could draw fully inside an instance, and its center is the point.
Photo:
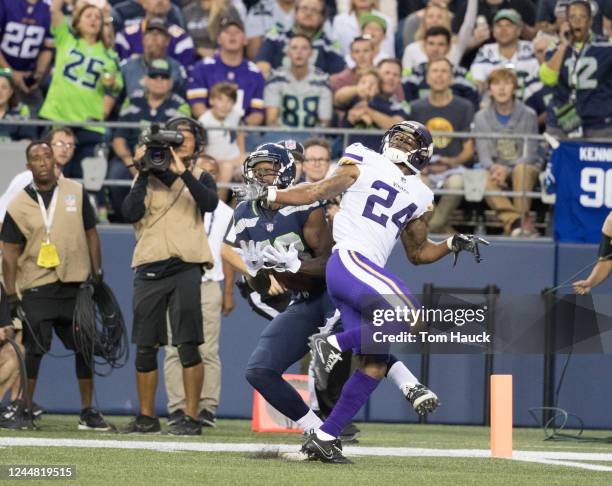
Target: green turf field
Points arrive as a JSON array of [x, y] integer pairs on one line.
[[405, 463]]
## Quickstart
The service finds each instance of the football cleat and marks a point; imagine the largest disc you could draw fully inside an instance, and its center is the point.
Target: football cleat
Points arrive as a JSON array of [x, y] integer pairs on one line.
[[423, 400], [324, 358], [329, 451]]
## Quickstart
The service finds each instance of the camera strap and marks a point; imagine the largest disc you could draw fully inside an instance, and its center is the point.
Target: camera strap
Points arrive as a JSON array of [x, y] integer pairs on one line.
[[573, 72]]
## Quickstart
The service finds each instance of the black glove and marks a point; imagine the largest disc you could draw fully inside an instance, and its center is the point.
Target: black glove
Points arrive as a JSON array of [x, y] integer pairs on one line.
[[15, 307], [250, 192], [460, 242]]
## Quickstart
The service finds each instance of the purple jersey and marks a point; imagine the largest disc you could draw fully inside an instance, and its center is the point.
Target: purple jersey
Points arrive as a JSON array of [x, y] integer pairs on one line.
[[205, 74], [24, 32], [128, 43]]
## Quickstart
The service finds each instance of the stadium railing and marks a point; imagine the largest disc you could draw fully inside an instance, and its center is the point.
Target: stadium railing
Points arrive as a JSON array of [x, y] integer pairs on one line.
[[345, 133]]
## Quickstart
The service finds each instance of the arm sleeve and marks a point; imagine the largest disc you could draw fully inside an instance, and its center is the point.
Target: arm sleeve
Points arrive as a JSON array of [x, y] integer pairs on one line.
[[197, 88], [133, 207], [61, 32], [89, 215], [271, 95], [11, 232], [204, 190], [548, 76], [325, 104]]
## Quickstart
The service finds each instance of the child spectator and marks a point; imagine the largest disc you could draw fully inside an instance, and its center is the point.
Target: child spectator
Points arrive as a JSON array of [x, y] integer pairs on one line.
[[226, 146]]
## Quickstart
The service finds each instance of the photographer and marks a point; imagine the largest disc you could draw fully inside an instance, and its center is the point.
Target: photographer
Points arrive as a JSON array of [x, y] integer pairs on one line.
[[171, 249], [578, 70], [51, 247]]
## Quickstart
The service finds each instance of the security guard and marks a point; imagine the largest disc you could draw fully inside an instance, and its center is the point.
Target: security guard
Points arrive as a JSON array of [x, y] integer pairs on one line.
[[166, 208], [51, 246]]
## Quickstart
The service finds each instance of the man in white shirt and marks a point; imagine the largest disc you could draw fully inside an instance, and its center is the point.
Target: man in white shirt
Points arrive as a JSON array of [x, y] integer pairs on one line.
[[506, 52], [214, 302]]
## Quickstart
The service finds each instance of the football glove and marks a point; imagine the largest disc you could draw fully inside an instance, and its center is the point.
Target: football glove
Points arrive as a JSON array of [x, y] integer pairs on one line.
[[252, 256], [250, 192], [459, 242], [282, 259]]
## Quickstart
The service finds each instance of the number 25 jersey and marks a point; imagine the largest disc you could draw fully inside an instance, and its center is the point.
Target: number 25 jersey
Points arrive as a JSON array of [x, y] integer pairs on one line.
[[378, 206]]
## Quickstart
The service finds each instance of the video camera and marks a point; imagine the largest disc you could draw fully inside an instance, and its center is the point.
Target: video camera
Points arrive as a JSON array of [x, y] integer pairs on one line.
[[158, 143]]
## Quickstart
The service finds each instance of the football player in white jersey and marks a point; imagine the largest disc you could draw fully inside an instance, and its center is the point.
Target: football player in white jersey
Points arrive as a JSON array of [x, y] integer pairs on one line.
[[384, 199]]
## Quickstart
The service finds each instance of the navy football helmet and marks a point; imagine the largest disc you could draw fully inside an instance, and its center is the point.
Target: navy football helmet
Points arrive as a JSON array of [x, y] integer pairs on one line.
[[284, 169], [395, 145]]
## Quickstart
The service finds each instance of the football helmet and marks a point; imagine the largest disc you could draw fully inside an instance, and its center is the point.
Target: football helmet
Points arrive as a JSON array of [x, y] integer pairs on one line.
[[399, 134], [284, 169]]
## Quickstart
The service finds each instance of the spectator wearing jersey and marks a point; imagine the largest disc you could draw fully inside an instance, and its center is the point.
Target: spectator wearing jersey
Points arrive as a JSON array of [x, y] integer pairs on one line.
[[299, 96], [443, 111], [155, 43], [154, 103], [309, 20], [317, 159], [87, 79], [437, 15], [347, 26], [264, 16], [129, 41], [26, 46], [369, 109], [538, 96], [131, 12], [12, 109], [228, 65], [578, 69], [437, 46], [511, 166], [226, 146], [204, 21], [362, 57], [507, 51]]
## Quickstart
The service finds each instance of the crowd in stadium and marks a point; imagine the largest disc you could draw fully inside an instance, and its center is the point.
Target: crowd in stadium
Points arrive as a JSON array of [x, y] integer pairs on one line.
[[490, 66]]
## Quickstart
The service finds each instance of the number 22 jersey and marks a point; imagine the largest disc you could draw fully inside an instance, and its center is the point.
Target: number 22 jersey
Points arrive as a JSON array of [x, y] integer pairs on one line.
[[378, 206]]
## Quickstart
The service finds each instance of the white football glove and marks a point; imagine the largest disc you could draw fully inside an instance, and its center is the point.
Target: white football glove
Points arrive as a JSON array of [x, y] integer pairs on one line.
[[283, 259], [252, 255]]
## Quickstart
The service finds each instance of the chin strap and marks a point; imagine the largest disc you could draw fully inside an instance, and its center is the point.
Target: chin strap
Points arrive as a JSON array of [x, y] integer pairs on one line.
[[399, 157]]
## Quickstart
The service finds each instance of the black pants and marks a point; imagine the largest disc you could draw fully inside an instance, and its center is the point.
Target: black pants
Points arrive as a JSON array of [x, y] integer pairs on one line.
[[179, 296]]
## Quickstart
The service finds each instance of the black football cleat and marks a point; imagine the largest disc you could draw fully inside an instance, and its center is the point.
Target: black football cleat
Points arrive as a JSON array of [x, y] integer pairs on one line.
[[324, 358], [92, 419], [329, 451], [423, 400]]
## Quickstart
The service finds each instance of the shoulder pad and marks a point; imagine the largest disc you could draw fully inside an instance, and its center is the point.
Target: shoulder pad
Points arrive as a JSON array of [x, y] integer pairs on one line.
[[353, 154], [175, 31], [132, 29]]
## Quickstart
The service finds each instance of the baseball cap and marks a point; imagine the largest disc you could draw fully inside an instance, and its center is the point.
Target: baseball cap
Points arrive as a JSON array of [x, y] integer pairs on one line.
[[227, 21], [508, 14], [156, 23], [159, 67], [366, 18]]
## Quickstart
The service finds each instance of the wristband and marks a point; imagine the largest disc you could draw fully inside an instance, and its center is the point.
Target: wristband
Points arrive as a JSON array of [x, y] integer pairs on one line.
[[271, 196], [449, 243]]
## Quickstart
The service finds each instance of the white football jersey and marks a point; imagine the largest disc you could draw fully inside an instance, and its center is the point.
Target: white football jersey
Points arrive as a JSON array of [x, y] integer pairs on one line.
[[379, 204]]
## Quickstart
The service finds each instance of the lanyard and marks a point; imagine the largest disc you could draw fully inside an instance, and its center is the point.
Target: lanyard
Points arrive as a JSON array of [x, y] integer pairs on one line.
[[573, 74], [47, 215]]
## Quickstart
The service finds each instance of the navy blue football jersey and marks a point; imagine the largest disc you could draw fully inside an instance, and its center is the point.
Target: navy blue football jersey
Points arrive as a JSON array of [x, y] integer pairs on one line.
[[583, 177], [254, 222], [591, 72]]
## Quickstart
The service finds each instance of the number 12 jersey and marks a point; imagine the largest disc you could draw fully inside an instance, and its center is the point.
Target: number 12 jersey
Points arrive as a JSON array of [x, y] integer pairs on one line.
[[378, 206]]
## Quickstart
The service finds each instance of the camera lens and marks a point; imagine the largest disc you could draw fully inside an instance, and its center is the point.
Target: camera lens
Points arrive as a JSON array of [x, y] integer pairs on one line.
[[157, 156]]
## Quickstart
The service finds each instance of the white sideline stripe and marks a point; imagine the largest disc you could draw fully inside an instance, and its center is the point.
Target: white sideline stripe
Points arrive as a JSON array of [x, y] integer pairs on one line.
[[556, 458]]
